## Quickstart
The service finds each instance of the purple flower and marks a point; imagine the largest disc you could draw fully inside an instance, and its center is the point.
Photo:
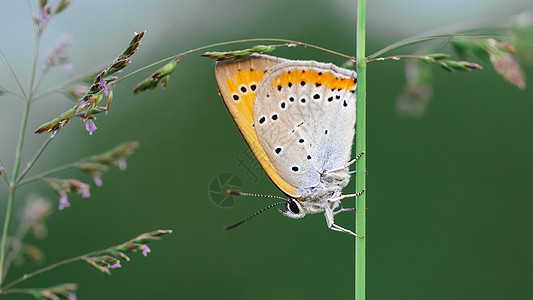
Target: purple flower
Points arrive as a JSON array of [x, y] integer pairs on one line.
[[63, 200], [78, 91], [85, 192], [97, 180], [90, 127], [79, 187], [71, 296], [115, 265], [103, 83], [44, 16], [145, 250], [122, 163], [69, 68]]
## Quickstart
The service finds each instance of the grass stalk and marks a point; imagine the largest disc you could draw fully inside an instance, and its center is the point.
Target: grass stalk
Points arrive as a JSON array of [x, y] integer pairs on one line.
[[360, 145]]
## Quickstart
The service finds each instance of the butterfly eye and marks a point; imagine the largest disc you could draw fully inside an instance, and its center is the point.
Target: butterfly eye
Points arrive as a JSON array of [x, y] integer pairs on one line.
[[292, 206]]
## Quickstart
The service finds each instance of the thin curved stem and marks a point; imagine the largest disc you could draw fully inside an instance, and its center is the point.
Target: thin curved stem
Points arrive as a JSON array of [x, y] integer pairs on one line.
[[234, 42], [51, 267], [7, 91], [395, 57], [34, 64], [3, 244], [406, 42], [430, 35], [17, 291], [12, 74], [48, 173], [45, 269], [18, 153], [12, 189], [16, 244], [4, 175], [34, 159]]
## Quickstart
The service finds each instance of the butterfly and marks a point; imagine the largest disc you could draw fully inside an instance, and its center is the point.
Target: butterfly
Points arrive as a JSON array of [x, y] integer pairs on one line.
[[298, 119]]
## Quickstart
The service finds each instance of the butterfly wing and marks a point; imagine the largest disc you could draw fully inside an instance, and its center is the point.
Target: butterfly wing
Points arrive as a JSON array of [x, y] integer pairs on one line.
[[304, 116], [238, 81]]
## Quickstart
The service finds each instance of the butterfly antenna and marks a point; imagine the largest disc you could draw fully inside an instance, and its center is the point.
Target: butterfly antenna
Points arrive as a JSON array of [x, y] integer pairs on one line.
[[262, 210], [253, 195]]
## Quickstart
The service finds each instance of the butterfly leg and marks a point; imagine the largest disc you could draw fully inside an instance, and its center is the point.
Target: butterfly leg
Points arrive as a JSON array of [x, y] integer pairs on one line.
[[345, 196], [348, 164], [328, 213], [343, 210], [341, 229]]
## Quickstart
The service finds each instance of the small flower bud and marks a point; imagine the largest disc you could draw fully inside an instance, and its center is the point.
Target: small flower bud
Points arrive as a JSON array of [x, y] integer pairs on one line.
[[64, 186], [90, 127], [162, 75], [58, 122], [145, 250], [78, 91], [452, 65], [62, 5], [63, 200]]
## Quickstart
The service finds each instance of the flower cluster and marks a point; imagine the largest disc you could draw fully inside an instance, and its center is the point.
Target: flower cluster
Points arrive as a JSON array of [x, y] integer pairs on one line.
[[60, 55], [94, 165], [97, 164], [111, 257], [500, 54], [64, 186], [89, 103], [46, 12]]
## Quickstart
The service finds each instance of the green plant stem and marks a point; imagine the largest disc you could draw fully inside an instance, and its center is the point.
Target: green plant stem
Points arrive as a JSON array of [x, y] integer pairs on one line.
[[360, 146], [45, 269], [417, 40], [34, 159], [230, 43], [49, 172], [34, 64], [16, 244], [18, 153], [5, 289], [9, 208], [75, 164], [3, 89], [397, 57], [12, 189], [12, 74], [4, 172], [18, 291]]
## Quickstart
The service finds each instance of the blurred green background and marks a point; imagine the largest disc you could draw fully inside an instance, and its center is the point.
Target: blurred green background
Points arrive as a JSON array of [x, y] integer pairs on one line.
[[449, 193]]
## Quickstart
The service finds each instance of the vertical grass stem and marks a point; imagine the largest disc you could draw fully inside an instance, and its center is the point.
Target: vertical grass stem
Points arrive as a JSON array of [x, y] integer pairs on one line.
[[360, 145]]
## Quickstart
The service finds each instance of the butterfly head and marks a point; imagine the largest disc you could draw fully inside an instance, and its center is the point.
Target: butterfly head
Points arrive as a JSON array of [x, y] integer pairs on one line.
[[294, 209]]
